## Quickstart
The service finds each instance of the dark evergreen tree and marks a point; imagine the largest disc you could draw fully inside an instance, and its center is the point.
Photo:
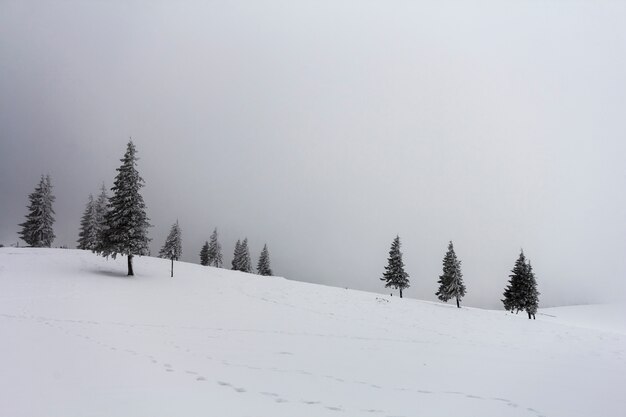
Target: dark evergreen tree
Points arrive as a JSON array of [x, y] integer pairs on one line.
[[530, 293], [215, 251], [394, 274], [204, 254], [451, 282], [263, 266], [172, 249], [100, 210], [245, 264], [126, 223], [37, 229], [513, 299], [87, 236], [236, 256]]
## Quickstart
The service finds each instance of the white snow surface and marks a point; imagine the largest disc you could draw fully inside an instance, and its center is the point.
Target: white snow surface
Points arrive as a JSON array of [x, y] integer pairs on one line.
[[78, 339]]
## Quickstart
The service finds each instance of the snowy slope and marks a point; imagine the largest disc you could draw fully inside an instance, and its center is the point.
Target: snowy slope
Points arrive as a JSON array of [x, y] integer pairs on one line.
[[78, 338]]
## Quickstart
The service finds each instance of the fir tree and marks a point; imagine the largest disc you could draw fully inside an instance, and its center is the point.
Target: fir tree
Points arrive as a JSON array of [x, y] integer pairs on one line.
[[263, 266], [394, 274], [513, 292], [215, 251], [204, 254], [172, 249], [126, 223], [236, 256], [100, 211], [87, 238], [530, 293], [173, 244], [37, 229], [245, 264], [451, 282]]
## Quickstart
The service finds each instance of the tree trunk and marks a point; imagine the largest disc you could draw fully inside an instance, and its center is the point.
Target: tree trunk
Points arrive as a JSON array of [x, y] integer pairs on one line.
[[172, 275], [130, 265], [400, 292], [529, 316], [457, 303]]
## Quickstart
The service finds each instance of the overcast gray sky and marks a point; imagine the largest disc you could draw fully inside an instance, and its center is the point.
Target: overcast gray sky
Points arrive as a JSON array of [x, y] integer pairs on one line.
[[324, 128]]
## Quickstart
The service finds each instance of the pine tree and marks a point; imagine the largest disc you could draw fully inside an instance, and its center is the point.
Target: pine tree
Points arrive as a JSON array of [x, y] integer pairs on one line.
[[245, 264], [87, 235], [204, 254], [451, 282], [236, 256], [100, 211], [530, 293], [126, 223], [172, 249], [37, 229], [173, 244], [513, 293], [394, 274], [215, 251], [263, 266]]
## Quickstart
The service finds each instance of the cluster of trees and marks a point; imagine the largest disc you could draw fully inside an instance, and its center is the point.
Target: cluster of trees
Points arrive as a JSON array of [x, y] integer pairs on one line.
[[211, 254], [118, 226], [92, 223], [521, 294]]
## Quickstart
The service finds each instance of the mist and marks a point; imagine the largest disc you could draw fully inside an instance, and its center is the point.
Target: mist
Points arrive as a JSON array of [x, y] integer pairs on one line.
[[326, 128]]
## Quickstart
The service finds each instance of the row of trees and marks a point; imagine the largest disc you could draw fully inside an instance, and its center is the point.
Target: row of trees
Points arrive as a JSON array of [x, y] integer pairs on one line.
[[118, 226], [521, 294]]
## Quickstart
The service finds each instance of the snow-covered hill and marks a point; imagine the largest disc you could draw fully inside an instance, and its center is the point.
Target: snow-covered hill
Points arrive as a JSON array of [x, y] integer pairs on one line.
[[78, 338]]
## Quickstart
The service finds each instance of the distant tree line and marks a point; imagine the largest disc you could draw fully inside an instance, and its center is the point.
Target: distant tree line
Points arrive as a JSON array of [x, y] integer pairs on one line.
[[118, 225]]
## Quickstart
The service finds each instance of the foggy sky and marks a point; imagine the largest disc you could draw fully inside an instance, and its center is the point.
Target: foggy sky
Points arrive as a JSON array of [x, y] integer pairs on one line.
[[325, 128]]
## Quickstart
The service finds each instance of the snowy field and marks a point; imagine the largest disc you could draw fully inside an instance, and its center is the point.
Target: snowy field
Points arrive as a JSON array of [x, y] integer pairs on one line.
[[78, 339]]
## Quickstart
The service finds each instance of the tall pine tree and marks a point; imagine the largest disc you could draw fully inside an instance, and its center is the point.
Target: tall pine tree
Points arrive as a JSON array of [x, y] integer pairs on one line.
[[451, 282], [204, 254], [101, 207], [87, 236], [126, 223], [172, 249], [530, 293], [263, 266], [236, 256], [215, 251], [37, 229], [394, 274]]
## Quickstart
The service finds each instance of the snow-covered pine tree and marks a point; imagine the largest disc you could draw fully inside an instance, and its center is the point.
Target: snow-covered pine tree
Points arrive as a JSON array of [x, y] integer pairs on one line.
[[394, 274], [513, 299], [245, 264], [172, 249], [126, 223], [263, 266], [37, 229], [236, 256], [87, 235], [100, 211], [530, 293], [215, 251], [451, 282], [204, 254]]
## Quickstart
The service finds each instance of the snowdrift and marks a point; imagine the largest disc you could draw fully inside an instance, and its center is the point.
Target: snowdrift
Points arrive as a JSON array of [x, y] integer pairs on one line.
[[78, 338]]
